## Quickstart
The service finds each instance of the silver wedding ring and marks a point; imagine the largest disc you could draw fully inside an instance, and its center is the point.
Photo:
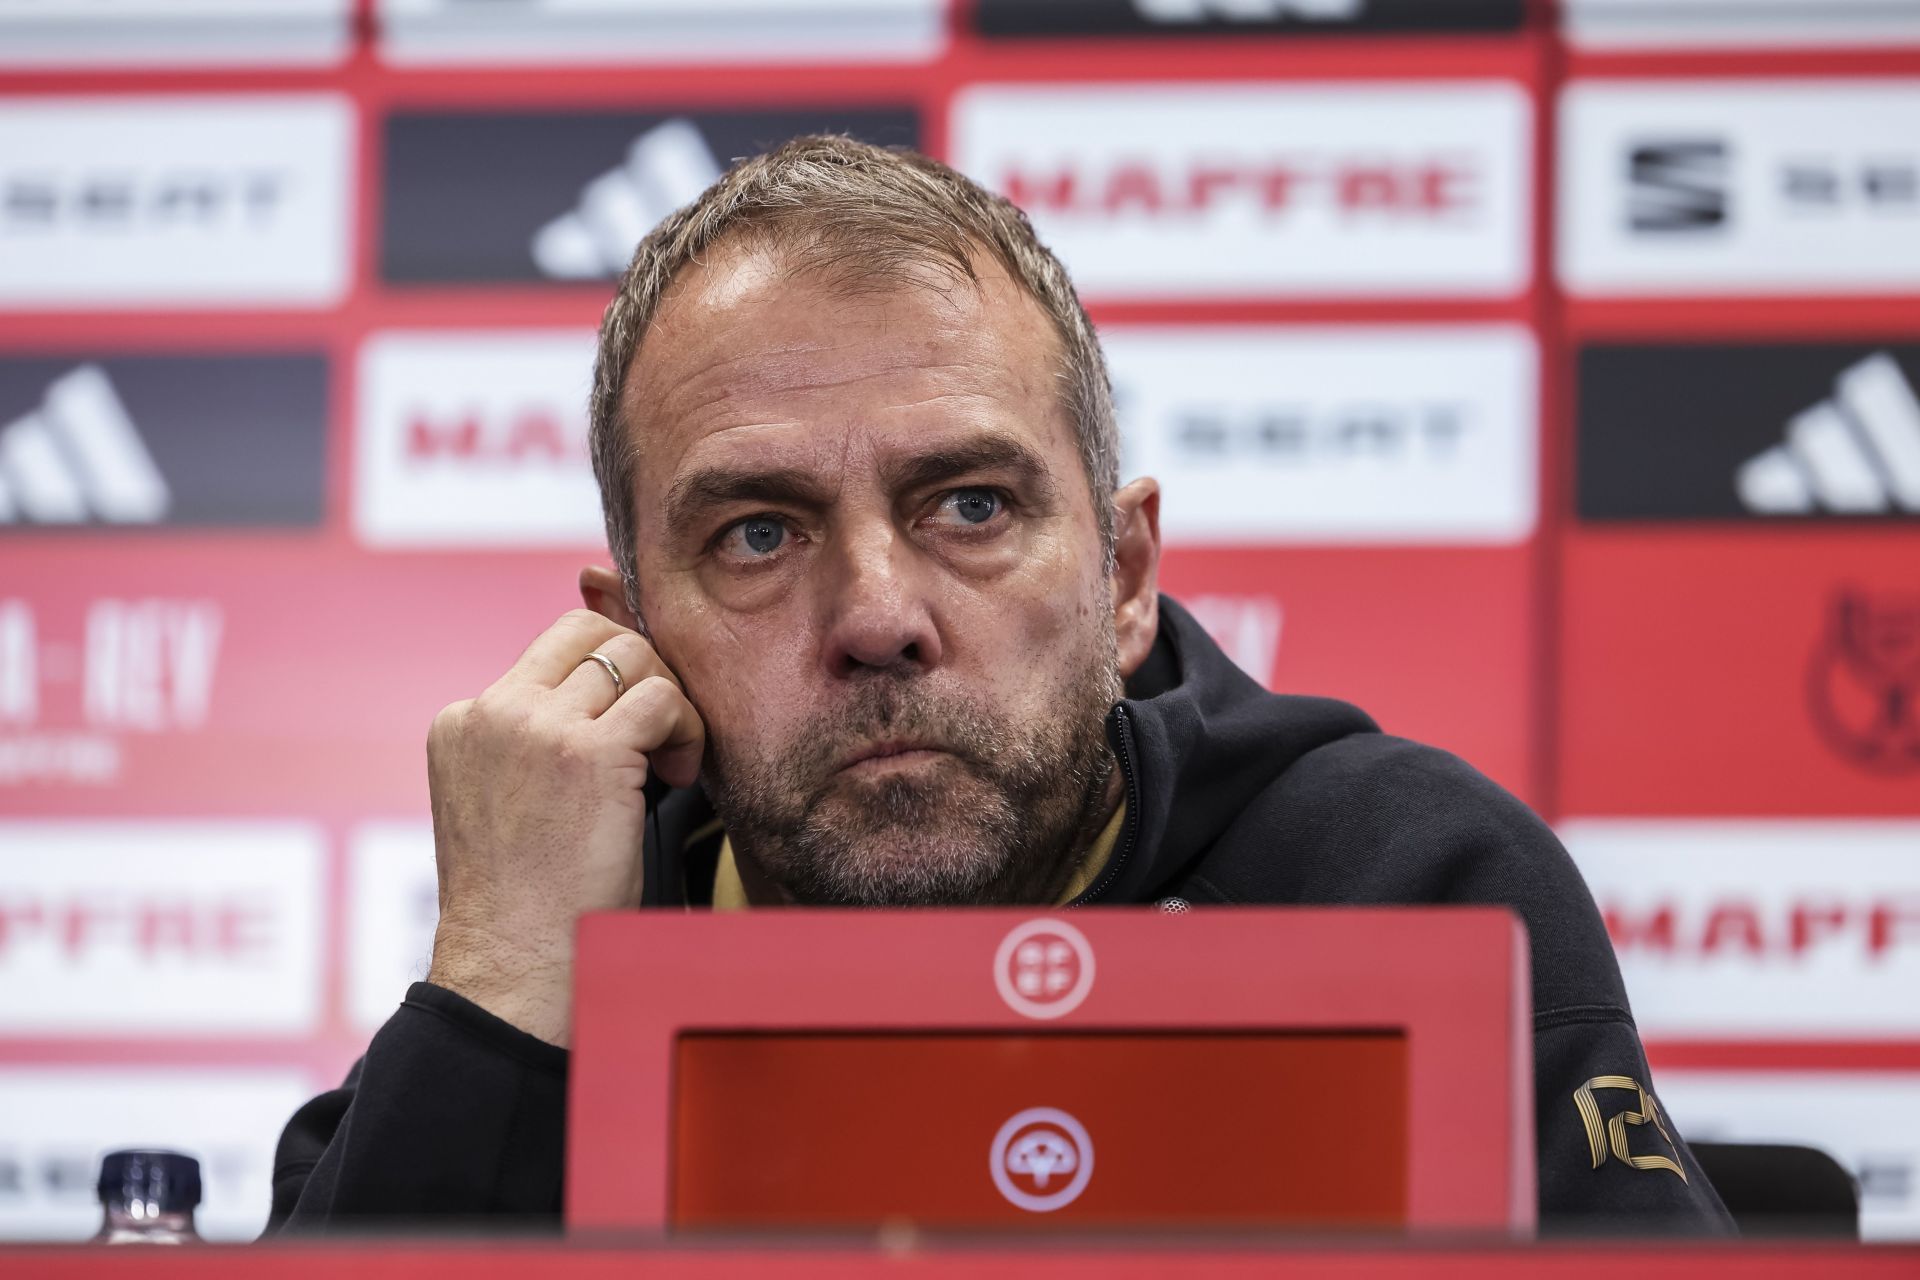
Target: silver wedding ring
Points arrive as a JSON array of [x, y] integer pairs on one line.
[[613, 672]]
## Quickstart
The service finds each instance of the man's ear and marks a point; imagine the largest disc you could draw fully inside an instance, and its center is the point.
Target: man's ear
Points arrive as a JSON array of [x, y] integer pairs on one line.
[[602, 591], [1136, 571]]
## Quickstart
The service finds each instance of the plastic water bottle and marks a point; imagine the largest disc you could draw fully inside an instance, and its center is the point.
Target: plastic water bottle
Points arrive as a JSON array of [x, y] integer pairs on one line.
[[148, 1197]]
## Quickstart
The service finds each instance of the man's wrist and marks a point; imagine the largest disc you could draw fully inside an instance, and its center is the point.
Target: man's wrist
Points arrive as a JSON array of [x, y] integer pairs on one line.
[[531, 991]]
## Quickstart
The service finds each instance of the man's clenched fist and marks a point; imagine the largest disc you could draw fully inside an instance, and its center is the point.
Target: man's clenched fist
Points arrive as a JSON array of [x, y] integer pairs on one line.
[[538, 814]]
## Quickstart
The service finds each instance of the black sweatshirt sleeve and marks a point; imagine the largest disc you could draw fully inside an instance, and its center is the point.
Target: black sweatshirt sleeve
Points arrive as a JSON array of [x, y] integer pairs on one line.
[[452, 1114], [1610, 1161]]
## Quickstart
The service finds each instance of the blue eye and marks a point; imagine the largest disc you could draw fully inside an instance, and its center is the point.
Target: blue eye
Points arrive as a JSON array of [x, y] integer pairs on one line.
[[760, 535], [975, 506]]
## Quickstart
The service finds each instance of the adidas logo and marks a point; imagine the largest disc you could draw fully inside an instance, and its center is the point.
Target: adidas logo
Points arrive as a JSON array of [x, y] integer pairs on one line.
[[1856, 454], [78, 458], [667, 166]]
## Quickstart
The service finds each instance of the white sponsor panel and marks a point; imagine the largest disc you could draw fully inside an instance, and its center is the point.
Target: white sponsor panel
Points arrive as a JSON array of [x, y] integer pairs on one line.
[[1868, 1121], [426, 32], [1760, 929], [1198, 191], [60, 1122], [159, 927], [395, 899], [476, 439], [173, 33], [1740, 186], [1275, 434], [175, 201], [1788, 24]]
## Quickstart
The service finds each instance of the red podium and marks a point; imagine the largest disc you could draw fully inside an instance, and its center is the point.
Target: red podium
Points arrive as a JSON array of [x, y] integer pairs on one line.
[[1222, 1069]]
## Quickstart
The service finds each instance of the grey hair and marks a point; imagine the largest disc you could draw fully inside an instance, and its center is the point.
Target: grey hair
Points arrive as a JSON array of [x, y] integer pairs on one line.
[[858, 213]]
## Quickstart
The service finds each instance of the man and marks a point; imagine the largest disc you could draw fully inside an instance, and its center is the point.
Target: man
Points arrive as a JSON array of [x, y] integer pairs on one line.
[[884, 630]]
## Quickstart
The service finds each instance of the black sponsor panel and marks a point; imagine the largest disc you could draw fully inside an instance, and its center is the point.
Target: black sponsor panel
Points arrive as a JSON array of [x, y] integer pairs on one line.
[[127, 441], [1017, 18], [564, 197], [1763, 432]]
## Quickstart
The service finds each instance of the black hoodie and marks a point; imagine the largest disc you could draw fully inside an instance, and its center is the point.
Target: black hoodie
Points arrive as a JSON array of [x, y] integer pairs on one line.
[[1234, 796]]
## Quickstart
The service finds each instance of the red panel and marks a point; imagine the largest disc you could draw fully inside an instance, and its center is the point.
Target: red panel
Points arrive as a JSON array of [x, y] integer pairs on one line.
[[1702, 674], [1454, 980]]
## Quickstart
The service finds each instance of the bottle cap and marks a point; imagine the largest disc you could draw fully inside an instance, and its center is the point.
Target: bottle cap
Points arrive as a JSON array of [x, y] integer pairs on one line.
[[167, 1180]]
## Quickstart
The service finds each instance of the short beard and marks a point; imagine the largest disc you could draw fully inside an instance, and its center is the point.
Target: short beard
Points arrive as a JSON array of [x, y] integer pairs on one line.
[[997, 822]]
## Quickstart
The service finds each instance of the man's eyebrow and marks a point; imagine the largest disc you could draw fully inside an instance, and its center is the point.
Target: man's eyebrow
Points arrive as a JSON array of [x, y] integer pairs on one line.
[[989, 453], [708, 487]]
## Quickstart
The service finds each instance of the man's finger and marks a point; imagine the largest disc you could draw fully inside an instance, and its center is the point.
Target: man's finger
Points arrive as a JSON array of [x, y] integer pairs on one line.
[[590, 690], [554, 654], [655, 719]]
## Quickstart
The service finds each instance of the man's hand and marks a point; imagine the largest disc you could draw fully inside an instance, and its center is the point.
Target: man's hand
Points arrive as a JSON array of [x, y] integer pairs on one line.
[[538, 813]]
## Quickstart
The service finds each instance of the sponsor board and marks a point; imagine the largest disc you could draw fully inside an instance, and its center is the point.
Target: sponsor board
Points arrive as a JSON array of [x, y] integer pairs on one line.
[[1632, 25], [1358, 434], [1775, 432], [1760, 929], [131, 440], [60, 1121], [229, 200], [1162, 18], [1740, 672], [1740, 187], [394, 904], [159, 927], [174, 33], [1212, 191], [1867, 1120], [546, 196], [476, 439], [428, 32], [1337, 622], [250, 676]]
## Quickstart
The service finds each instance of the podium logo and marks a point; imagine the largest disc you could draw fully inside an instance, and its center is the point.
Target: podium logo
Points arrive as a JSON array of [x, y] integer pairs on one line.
[[1042, 1159], [1857, 453], [1863, 684], [78, 457], [667, 166], [1044, 969]]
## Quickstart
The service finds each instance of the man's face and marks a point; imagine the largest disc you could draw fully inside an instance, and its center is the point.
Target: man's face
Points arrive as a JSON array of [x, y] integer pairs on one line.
[[867, 545]]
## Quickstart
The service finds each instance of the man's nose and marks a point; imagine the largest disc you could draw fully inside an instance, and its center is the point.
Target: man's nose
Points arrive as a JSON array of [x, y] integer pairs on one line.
[[876, 605]]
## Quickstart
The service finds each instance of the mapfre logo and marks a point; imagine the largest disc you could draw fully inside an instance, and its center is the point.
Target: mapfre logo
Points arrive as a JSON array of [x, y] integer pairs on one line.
[[163, 927], [1740, 186], [1760, 928], [1198, 191], [176, 201], [1274, 434], [141, 666], [1863, 682], [476, 439]]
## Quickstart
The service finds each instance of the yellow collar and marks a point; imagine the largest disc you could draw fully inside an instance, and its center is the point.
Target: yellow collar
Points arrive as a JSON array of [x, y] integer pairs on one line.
[[729, 894]]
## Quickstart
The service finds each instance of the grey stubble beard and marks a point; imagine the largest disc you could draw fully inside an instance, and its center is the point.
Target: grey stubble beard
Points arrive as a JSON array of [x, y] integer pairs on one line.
[[1000, 820]]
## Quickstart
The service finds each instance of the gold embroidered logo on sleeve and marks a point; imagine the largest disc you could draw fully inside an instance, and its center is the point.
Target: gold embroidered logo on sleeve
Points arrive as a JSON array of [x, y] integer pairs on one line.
[[1611, 1135]]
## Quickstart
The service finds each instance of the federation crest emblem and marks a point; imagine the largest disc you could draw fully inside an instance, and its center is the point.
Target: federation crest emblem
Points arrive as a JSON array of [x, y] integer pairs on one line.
[[1863, 683]]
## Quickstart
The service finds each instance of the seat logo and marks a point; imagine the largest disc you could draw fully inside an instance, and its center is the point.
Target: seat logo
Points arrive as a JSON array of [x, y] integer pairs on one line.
[[1044, 969], [1041, 1159]]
